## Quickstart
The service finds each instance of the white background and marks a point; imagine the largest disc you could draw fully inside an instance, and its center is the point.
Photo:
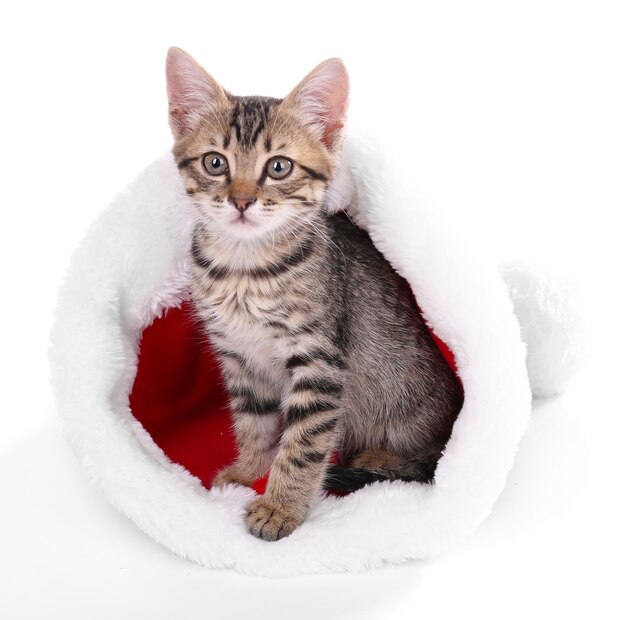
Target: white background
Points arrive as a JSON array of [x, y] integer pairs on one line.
[[515, 117]]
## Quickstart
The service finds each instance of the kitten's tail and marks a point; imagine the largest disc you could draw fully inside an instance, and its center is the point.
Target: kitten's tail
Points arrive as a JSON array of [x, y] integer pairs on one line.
[[348, 479]]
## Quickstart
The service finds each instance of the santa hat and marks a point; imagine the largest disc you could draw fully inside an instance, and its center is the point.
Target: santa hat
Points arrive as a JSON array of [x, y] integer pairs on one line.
[[140, 398]]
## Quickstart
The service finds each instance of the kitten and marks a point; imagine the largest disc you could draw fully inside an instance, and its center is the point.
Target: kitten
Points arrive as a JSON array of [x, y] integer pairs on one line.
[[322, 346]]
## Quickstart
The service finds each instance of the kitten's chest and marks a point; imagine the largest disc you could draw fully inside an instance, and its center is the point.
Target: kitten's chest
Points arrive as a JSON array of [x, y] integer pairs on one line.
[[240, 316], [237, 302]]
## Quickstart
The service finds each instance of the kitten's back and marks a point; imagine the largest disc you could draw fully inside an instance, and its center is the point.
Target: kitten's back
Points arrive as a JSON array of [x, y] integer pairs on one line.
[[401, 390]]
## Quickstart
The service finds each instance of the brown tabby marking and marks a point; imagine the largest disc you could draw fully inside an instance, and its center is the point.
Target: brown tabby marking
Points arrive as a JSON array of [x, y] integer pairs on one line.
[[378, 460]]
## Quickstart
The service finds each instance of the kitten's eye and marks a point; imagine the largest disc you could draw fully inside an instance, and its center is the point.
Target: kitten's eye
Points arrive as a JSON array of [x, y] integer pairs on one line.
[[215, 164], [279, 167]]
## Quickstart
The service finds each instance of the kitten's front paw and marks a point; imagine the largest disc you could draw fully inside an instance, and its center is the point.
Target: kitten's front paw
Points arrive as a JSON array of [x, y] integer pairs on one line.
[[231, 475], [270, 521]]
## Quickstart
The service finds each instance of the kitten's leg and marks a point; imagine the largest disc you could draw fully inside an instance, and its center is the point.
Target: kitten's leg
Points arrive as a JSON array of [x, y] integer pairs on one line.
[[312, 410], [377, 459], [256, 418], [420, 467]]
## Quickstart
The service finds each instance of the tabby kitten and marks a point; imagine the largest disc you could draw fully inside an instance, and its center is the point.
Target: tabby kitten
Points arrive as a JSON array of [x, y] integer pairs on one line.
[[322, 347]]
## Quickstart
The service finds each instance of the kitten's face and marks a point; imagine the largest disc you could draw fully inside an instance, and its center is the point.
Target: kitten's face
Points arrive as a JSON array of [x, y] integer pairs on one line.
[[255, 167]]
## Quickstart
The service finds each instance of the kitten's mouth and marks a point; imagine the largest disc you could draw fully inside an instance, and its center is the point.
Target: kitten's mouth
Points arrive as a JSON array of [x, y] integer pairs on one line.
[[241, 220]]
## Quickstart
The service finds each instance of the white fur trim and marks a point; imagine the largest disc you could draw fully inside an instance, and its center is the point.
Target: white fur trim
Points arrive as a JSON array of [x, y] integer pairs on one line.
[[132, 265], [549, 310]]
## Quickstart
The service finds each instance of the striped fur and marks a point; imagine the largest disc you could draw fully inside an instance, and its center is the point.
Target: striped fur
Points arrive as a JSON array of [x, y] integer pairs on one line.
[[321, 344]]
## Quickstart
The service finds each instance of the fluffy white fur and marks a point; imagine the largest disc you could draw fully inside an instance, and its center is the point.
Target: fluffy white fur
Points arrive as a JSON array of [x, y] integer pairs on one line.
[[549, 310], [132, 266]]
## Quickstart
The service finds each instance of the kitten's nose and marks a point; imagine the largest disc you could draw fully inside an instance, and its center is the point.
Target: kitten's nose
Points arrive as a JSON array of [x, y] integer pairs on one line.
[[241, 203]]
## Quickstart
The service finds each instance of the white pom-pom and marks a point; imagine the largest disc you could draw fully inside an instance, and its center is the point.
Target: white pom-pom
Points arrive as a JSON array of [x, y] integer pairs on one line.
[[552, 326]]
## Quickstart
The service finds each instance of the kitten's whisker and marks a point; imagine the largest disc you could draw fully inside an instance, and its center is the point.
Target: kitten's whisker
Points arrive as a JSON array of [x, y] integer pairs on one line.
[[340, 205], [323, 236]]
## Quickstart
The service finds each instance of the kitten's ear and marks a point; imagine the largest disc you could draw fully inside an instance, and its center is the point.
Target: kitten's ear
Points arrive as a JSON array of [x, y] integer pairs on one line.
[[191, 91], [320, 101]]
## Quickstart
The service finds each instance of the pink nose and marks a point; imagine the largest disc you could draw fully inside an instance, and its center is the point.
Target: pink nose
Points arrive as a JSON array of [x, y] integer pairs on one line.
[[241, 203]]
